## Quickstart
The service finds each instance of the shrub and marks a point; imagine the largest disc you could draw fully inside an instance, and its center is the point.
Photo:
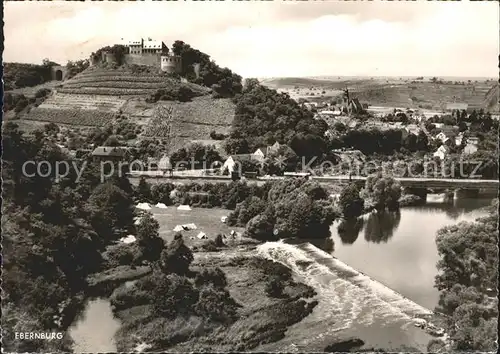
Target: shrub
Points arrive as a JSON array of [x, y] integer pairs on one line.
[[275, 287], [122, 254], [126, 297], [215, 277], [216, 304], [174, 295], [177, 257], [216, 136]]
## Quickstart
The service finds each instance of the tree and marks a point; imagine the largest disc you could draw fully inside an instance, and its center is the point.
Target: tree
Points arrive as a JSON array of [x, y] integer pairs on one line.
[[144, 190], [300, 208], [176, 258], [211, 276], [110, 210], [261, 227], [246, 210], [216, 305], [174, 295], [350, 201], [148, 238], [383, 191]]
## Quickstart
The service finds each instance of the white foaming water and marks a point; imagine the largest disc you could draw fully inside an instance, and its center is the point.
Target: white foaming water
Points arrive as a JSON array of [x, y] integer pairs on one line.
[[346, 298]]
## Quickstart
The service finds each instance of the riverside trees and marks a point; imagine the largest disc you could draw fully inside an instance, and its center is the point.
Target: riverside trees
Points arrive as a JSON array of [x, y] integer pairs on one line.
[[296, 208], [468, 281], [351, 203], [384, 192]]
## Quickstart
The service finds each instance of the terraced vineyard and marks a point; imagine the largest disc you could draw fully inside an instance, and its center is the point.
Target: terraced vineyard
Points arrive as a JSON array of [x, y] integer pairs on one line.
[[98, 81], [70, 116], [194, 120], [82, 110], [96, 96], [86, 102]]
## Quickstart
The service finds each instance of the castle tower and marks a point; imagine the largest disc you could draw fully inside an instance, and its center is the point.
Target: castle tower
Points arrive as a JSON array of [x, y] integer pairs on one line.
[[171, 64]]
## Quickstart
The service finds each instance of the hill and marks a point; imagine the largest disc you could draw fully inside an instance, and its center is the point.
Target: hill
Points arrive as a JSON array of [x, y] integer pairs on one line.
[[19, 75], [393, 92], [98, 96]]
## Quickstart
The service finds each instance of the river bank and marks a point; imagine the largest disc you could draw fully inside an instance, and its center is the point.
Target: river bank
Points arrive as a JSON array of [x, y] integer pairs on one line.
[[261, 318]]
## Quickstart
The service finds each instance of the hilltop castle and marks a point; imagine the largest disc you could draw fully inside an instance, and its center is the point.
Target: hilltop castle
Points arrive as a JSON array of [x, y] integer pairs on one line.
[[146, 52]]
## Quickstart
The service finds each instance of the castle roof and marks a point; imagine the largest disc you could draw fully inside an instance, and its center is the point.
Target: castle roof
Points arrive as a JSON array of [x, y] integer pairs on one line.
[[145, 43], [127, 42], [150, 44]]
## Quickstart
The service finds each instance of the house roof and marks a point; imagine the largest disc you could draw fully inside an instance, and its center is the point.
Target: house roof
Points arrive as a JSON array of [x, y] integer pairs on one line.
[[241, 157], [127, 42], [117, 151]]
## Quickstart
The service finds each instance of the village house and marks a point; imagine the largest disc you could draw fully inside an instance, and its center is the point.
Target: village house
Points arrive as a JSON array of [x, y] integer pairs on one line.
[[447, 132], [473, 140], [232, 161], [458, 139], [164, 164], [470, 149], [258, 155], [471, 145], [109, 153], [441, 152], [262, 153]]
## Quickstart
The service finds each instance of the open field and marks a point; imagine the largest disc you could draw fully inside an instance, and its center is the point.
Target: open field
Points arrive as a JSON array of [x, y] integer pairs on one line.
[[393, 92], [206, 220]]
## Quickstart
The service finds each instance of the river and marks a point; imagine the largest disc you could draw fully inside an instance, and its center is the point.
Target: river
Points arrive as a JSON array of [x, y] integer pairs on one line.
[[380, 278], [94, 330], [399, 250]]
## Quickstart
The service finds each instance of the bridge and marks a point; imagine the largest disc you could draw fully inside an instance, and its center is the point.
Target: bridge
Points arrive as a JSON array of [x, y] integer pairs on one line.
[[430, 183], [406, 182]]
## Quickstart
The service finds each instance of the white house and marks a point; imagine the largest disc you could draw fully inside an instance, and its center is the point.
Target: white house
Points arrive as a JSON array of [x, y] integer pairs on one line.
[[441, 152], [470, 149], [259, 155], [473, 140], [232, 160], [458, 139], [442, 136]]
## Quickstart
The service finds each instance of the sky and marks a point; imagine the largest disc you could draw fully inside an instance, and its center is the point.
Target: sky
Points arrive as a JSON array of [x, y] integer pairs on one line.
[[273, 39]]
